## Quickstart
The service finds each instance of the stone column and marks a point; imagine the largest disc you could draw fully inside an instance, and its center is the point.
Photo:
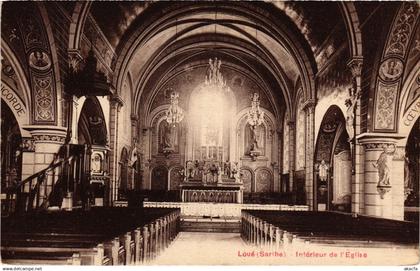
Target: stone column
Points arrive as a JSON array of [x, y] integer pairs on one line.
[[292, 140], [71, 102], [135, 143], [357, 155], [40, 151], [383, 176], [309, 152], [116, 104]]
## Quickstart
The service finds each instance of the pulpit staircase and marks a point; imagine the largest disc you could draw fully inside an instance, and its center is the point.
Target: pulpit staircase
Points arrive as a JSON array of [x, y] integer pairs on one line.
[[65, 180]]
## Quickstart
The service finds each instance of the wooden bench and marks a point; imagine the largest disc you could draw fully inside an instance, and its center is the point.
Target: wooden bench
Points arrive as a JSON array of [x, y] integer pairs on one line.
[[271, 228], [87, 246]]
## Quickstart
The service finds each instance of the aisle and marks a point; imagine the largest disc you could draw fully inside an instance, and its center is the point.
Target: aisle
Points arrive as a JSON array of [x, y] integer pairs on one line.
[[202, 248], [197, 248]]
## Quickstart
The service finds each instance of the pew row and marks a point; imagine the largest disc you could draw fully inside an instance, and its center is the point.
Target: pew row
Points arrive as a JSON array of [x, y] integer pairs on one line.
[[264, 230], [133, 247]]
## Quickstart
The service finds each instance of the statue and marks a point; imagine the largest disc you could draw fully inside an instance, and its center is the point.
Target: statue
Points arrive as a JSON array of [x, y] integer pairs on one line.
[[226, 168], [323, 171], [190, 169], [383, 165], [235, 172], [168, 136], [351, 106]]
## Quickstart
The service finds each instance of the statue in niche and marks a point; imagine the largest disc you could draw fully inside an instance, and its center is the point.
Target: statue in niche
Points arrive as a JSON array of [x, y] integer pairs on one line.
[[323, 171], [96, 163], [256, 139], [383, 165], [169, 136]]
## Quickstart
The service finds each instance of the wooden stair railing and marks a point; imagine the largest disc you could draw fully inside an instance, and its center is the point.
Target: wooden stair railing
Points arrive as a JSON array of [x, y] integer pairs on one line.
[[68, 174]]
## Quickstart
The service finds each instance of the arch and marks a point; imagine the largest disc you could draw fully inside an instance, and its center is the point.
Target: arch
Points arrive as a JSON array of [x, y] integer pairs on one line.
[[238, 139], [91, 124], [412, 173], [409, 106], [11, 148], [55, 63], [78, 18], [388, 74], [159, 178], [352, 23], [263, 180], [140, 35], [143, 87], [23, 85], [175, 177], [332, 142], [247, 177]]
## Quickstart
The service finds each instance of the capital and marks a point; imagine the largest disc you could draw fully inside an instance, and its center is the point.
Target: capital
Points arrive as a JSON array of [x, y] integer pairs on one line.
[[116, 101], [309, 105], [75, 58], [355, 65]]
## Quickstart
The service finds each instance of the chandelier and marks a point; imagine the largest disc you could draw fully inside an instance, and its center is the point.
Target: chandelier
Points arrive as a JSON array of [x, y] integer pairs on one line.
[[174, 114], [214, 78], [255, 116]]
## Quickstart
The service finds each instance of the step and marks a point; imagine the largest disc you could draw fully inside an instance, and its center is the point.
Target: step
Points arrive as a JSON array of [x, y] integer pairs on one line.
[[211, 226]]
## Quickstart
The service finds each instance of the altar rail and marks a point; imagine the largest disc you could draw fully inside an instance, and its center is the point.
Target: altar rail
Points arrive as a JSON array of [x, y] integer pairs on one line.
[[226, 210]]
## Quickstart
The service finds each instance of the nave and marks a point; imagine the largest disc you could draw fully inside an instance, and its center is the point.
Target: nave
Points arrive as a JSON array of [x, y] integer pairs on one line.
[[289, 123], [167, 236]]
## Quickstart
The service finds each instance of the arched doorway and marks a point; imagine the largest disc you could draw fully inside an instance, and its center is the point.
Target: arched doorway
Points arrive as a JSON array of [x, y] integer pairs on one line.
[[412, 174], [176, 178], [159, 178], [93, 133], [332, 163], [91, 127], [11, 140]]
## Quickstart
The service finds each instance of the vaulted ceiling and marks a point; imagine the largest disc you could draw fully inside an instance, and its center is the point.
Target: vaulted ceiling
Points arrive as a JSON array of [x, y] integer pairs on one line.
[[273, 43]]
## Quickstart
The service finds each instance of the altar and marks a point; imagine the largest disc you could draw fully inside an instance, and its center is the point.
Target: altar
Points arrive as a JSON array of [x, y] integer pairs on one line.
[[226, 193], [212, 182]]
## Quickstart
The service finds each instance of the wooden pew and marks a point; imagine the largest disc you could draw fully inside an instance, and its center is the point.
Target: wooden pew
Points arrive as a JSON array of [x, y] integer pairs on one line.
[[260, 227], [136, 246]]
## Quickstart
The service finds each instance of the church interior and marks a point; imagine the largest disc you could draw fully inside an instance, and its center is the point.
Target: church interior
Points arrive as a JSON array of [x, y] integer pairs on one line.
[[133, 130]]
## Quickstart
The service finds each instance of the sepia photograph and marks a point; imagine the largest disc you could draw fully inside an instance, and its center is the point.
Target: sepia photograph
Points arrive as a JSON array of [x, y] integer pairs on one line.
[[204, 133]]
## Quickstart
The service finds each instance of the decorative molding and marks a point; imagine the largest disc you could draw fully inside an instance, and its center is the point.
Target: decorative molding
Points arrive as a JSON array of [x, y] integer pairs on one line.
[[49, 138], [117, 101], [391, 69], [402, 29], [355, 65], [378, 141], [392, 66], [28, 145], [75, 59], [385, 112], [47, 134], [309, 105], [44, 98]]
